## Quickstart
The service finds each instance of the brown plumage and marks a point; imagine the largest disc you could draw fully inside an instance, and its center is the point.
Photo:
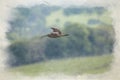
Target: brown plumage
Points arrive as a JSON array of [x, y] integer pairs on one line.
[[55, 34], [56, 30]]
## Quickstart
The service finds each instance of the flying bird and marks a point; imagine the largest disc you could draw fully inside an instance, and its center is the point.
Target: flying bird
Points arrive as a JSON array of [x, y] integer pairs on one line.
[[55, 34]]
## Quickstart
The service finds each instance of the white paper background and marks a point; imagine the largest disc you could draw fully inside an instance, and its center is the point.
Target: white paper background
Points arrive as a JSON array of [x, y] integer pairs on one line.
[[7, 5]]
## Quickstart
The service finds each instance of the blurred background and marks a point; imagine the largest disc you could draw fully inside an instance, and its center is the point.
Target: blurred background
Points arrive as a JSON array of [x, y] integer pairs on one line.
[[87, 49]]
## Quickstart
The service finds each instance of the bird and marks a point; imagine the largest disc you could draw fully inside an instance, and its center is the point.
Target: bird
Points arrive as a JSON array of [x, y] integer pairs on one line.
[[56, 33]]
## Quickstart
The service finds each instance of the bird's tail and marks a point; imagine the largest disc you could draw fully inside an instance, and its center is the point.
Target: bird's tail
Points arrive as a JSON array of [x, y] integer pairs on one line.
[[65, 35], [43, 36]]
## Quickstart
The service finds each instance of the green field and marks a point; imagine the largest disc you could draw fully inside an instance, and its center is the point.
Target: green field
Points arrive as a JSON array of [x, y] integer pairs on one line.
[[72, 66]]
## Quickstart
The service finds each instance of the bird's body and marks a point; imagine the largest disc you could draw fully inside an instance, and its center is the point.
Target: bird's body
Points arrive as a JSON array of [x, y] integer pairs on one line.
[[55, 34]]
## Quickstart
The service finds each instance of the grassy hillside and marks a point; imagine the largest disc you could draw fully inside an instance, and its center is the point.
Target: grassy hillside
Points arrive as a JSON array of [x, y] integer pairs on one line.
[[80, 65]]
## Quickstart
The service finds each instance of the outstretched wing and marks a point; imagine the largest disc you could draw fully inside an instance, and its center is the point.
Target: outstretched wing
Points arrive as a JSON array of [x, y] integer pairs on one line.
[[56, 30]]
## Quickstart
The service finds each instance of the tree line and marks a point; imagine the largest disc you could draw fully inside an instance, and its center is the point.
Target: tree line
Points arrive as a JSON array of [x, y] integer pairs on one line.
[[82, 41]]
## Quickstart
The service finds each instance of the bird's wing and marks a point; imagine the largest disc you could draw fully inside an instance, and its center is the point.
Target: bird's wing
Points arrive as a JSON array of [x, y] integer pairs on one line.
[[56, 30]]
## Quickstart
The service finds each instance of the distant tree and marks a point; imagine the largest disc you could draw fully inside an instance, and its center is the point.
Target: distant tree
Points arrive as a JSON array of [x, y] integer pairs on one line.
[[19, 50], [54, 49], [102, 39], [78, 43]]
